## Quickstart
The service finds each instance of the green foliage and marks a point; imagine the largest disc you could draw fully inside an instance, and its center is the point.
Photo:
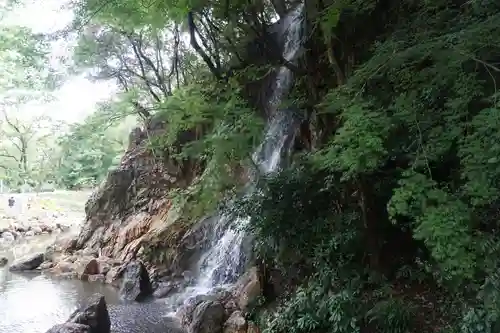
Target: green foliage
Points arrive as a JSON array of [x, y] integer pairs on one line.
[[91, 149], [441, 221], [224, 131], [412, 155], [292, 214], [479, 151], [392, 315], [358, 146], [310, 309]]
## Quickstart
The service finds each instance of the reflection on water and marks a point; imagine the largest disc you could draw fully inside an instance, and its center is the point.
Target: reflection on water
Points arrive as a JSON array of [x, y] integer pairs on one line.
[[32, 303]]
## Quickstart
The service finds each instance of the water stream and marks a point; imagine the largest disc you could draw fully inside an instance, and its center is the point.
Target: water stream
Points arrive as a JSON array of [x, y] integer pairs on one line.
[[225, 260]]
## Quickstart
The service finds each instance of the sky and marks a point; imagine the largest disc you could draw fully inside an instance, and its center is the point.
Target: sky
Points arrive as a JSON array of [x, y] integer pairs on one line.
[[77, 98]]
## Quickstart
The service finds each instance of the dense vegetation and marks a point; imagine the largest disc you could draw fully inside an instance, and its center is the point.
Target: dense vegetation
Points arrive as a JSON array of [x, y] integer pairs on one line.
[[387, 221]]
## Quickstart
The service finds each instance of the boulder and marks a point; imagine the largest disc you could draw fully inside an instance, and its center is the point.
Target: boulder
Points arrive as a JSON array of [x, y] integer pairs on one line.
[[236, 323], [46, 265], [93, 318], [136, 284], [164, 289], [8, 236], [95, 315], [114, 275], [248, 288], [63, 266], [3, 261], [87, 266], [28, 263], [70, 328], [104, 265], [186, 310], [208, 317]]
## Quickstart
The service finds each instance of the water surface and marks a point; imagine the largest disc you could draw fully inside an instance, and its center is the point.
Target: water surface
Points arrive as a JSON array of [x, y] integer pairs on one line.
[[32, 302]]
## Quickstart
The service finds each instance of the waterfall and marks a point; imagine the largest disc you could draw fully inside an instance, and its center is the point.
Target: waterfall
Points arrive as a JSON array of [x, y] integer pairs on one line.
[[225, 260]]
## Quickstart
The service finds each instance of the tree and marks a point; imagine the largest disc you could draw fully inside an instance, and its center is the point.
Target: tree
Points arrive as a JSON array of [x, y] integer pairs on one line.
[[91, 148], [25, 144], [143, 62]]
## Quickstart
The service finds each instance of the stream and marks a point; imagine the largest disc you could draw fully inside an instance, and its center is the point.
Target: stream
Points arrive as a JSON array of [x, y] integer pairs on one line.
[[33, 303]]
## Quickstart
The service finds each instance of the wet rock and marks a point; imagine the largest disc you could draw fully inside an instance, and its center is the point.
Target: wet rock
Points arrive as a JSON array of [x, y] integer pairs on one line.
[[63, 267], [67, 276], [186, 311], [208, 317], [253, 328], [248, 288], [164, 289], [87, 266], [70, 328], [104, 266], [136, 284], [114, 275], [50, 252], [69, 244], [7, 235], [62, 227], [236, 323], [3, 261], [28, 263], [97, 278], [19, 228], [46, 265], [95, 315], [90, 252]]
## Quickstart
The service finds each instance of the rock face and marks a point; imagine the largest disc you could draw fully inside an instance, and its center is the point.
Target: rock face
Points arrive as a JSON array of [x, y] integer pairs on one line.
[[28, 263], [94, 318], [130, 209], [136, 284]]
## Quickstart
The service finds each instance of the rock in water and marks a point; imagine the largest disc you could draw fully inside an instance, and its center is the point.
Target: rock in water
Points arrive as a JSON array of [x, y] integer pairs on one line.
[[208, 317], [94, 318], [136, 284], [70, 328], [27, 264], [95, 315], [3, 261]]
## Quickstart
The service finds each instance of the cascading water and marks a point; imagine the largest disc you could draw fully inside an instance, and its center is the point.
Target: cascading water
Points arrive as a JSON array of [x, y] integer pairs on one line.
[[223, 263]]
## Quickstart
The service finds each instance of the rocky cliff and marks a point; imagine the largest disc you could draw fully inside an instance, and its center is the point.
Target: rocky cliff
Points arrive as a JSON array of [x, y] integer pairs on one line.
[[136, 238], [131, 207]]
